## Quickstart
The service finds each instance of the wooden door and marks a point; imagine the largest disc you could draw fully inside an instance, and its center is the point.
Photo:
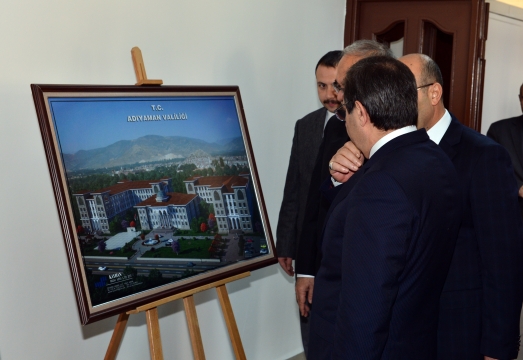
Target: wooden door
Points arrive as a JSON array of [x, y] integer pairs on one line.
[[452, 32]]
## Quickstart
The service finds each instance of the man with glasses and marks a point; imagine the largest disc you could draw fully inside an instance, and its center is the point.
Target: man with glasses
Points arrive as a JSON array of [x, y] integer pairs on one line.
[[481, 301], [335, 135], [509, 134], [308, 133]]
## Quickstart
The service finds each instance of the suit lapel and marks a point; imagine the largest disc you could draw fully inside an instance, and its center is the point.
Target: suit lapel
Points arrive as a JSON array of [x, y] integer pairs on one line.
[[516, 135], [451, 138], [319, 125]]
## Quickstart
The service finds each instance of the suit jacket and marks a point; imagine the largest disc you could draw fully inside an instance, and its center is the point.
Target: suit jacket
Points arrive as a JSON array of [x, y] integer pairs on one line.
[[481, 301], [509, 134], [309, 254], [308, 133], [387, 245]]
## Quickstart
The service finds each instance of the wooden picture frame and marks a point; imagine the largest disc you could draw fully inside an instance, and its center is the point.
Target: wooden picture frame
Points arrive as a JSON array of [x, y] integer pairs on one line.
[[156, 189]]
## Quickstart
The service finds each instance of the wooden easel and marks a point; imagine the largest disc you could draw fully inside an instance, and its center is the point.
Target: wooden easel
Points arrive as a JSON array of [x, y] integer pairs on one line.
[[139, 69], [151, 309], [153, 327]]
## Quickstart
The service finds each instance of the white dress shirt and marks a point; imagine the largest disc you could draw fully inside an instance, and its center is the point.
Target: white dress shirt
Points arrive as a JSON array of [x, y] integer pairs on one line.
[[327, 117], [392, 135], [436, 132]]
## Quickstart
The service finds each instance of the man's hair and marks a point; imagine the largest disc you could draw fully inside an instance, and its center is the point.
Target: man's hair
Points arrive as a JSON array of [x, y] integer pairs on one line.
[[430, 71], [330, 59], [366, 48], [386, 88]]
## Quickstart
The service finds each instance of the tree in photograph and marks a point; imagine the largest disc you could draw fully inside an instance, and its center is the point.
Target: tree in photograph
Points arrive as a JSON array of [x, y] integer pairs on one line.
[[142, 235], [187, 168], [156, 237], [176, 247], [205, 209], [155, 274], [194, 225], [115, 225], [125, 224], [127, 247], [79, 230], [101, 246], [129, 270], [211, 221], [131, 215], [217, 238], [203, 227], [132, 224]]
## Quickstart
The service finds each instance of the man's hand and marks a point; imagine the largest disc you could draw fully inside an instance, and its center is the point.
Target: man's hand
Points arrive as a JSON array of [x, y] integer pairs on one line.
[[304, 288], [286, 265], [487, 357], [521, 192], [345, 162]]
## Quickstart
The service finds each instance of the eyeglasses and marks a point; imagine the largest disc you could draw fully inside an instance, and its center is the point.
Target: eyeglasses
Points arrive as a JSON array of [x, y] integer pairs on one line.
[[340, 112], [337, 87], [422, 86]]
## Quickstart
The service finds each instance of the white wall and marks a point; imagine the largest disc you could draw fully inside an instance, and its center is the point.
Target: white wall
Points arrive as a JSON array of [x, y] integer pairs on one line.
[[269, 48], [504, 69]]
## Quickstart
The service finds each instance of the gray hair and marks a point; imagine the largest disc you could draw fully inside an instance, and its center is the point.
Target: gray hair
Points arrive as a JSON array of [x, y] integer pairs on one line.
[[367, 48]]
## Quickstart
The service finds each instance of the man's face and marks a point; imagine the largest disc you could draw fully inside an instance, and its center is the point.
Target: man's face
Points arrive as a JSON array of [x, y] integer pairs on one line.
[[325, 77], [352, 128], [344, 65], [425, 109]]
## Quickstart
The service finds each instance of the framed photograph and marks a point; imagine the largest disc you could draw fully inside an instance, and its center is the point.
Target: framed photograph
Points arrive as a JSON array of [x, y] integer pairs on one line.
[[156, 189]]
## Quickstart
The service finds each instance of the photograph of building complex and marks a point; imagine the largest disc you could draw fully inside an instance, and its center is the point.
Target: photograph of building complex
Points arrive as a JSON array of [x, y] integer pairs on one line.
[[161, 208], [160, 189]]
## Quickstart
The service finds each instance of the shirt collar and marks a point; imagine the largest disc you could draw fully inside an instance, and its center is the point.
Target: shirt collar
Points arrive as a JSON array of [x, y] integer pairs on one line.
[[439, 129], [392, 135], [327, 117]]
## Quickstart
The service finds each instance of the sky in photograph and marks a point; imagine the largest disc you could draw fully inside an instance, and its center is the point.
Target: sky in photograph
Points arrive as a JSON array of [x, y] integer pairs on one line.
[[90, 123]]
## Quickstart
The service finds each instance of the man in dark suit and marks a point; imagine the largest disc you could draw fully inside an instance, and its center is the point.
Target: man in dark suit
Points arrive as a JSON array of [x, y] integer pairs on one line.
[[390, 231], [481, 301], [335, 135], [308, 133], [509, 134]]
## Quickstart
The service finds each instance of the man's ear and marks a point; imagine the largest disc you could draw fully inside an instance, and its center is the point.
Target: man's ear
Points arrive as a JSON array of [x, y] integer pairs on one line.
[[362, 116], [435, 93]]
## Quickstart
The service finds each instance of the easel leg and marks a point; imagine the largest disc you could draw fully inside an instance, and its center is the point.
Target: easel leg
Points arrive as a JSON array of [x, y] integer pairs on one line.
[[194, 328], [234, 334], [116, 339], [153, 330]]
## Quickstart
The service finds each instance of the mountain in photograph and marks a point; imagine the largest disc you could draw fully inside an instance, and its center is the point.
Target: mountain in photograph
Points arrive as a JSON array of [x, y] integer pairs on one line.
[[147, 149]]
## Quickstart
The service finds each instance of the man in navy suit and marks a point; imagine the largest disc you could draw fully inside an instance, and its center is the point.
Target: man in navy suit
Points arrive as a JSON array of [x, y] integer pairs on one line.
[[481, 301], [509, 134], [390, 231]]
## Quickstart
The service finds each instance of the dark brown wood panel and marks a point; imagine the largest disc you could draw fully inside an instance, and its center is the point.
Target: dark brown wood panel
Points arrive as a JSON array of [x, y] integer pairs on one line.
[[453, 32]]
